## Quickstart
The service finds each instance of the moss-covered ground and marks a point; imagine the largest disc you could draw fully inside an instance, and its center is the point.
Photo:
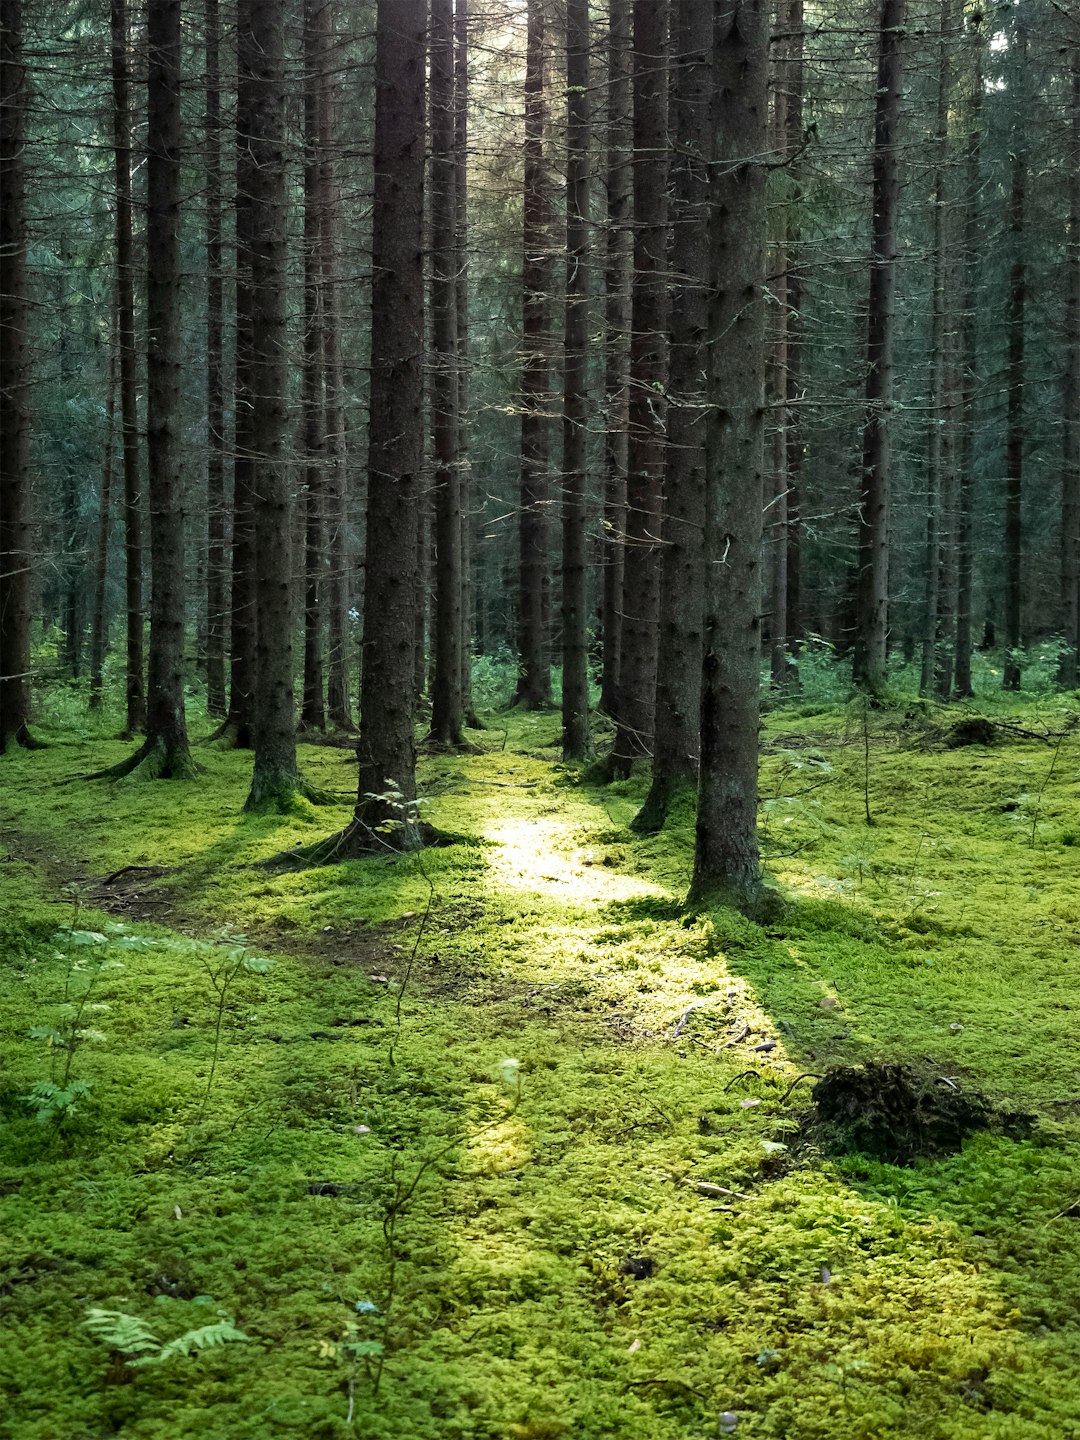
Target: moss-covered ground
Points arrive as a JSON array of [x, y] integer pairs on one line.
[[623, 1235]]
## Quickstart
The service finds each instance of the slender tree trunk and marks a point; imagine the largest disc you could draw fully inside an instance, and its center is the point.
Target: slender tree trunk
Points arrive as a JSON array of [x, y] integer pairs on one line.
[[237, 728], [165, 753], [872, 628], [385, 815], [99, 629], [776, 387], [1015, 375], [682, 596], [617, 288], [793, 114], [461, 292], [726, 858], [1070, 399], [312, 708], [575, 655], [275, 779], [938, 377], [648, 377], [16, 543], [215, 393], [447, 716], [129, 419], [336, 475], [968, 340], [534, 679]]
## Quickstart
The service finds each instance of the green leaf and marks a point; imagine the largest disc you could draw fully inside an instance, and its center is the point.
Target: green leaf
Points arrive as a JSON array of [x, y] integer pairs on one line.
[[257, 964]]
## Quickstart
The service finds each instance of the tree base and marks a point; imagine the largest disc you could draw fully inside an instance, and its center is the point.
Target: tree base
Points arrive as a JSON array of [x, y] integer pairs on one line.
[[664, 792], [360, 842], [154, 760], [282, 792], [231, 734], [22, 738]]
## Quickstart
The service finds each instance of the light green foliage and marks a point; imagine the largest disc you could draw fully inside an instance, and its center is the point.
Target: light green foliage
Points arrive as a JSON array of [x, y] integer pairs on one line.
[[623, 1236], [140, 1347]]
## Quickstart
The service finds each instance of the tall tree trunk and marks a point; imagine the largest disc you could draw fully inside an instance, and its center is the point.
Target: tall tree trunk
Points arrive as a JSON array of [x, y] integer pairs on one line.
[[575, 655], [968, 341], [534, 678], [726, 858], [215, 393], [336, 479], [776, 381], [385, 816], [1070, 399], [99, 628], [872, 628], [165, 753], [16, 544], [312, 706], [129, 419], [461, 292], [793, 80], [682, 596], [648, 376], [447, 714], [1015, 372], [938, 377], [275, 779], [617, 288], [238, 724]]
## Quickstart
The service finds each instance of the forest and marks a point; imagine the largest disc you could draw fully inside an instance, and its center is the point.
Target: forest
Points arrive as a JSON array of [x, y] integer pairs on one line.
[[539, 719]]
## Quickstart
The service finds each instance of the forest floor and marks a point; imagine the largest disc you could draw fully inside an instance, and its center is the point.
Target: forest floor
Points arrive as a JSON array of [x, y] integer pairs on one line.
[[499, 1147]]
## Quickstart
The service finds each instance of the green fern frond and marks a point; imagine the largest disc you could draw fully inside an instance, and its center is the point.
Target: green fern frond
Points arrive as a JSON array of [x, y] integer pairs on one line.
[[123, 1332], [206, 1337]]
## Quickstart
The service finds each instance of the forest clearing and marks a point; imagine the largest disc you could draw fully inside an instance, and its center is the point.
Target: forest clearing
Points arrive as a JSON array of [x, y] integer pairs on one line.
[[629, 1231]]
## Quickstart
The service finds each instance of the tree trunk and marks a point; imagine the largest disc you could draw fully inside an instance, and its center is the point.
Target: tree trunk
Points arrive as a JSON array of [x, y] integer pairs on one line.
[[165, 753], [648, 376], [793, 85], [534, 678], [1070, 400], [575, 657], [447, 714], [16, 541], [312, 707], [275, 779], [238, 725], [461, 291], [1014, 373], [129, 419], [938, 377], [386, 815], [99, 628], [682, 596], [726, 859], [215, 394], [617, 288], [335, 475], [872, 627], [972, 268]]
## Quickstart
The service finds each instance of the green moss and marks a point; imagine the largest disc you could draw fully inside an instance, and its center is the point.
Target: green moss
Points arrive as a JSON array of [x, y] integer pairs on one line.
[[648, 1138]]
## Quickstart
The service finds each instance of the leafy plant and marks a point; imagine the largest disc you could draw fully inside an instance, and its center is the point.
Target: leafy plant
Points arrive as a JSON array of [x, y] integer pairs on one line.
[[222, 973], [134, 1341], [58, 1098]]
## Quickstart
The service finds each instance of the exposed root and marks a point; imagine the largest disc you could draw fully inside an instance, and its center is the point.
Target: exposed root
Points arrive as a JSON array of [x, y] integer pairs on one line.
[[154, 760]]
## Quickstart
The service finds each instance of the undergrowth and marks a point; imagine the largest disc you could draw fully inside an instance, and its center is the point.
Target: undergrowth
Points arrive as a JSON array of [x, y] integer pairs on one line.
[[560, 1184]]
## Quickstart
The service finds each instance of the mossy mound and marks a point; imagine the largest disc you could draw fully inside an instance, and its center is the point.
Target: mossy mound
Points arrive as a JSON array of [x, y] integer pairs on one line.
[[898, 1114], [972, 730]]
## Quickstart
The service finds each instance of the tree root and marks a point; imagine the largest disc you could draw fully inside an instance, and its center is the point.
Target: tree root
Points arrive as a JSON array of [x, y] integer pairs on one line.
[[152, 761]]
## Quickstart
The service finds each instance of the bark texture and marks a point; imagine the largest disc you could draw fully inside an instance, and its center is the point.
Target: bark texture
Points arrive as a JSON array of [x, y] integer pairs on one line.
[[872, 624], [726, 858]]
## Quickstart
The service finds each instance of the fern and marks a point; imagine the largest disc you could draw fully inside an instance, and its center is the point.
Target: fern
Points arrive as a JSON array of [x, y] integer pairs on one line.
[[141, 1347], [206, 1337], [122, 1332]]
